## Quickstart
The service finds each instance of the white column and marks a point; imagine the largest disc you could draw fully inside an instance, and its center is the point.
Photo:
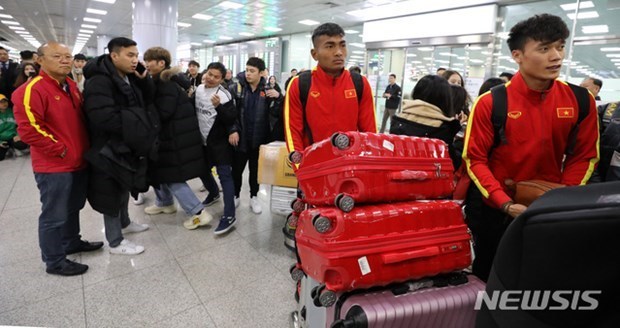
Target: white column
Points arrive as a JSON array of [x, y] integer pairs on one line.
[[155, 24], [102, 44]]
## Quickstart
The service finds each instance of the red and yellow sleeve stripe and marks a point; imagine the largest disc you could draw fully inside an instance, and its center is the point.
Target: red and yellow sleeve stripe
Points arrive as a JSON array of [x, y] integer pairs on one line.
[[28, 110]]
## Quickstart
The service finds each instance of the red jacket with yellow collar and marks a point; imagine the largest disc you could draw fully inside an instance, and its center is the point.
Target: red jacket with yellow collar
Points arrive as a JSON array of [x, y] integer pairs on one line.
[[50, 121], [536, 130], [332, 106]]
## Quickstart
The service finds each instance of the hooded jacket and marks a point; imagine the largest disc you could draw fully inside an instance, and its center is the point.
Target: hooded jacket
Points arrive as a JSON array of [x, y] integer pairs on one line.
[[180, 155], [124, 127], [421, 119]]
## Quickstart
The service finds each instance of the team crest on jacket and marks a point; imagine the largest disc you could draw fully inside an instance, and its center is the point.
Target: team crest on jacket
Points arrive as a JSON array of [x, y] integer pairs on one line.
[[515, 114], [315, 94], [566, 112], [350, 93], [57, 97]]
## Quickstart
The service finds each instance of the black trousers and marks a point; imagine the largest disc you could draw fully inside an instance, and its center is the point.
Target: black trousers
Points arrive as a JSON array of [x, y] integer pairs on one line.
[[11, 144], [487, 225], [241, 158]]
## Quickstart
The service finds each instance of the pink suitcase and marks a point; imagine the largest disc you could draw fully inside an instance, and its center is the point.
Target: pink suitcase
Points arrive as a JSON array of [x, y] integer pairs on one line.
[[355, 167], [375, 245]]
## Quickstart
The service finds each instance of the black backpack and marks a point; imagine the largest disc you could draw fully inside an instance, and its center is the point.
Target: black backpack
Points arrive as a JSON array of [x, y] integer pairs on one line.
[[305, 81], [610, 142]]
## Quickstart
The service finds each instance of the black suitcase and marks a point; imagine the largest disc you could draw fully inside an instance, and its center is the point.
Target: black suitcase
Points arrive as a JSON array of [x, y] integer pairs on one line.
[[565, 244]]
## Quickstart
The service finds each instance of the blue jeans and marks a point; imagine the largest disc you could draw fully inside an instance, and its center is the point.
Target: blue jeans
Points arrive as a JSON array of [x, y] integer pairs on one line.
[[63, 195], [114, 224], [182, 192], [228, 187]]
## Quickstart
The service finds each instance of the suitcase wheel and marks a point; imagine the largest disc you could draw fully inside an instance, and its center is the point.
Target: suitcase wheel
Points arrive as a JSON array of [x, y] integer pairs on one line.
[[327, 298], [298, 205], [344, 202], [340, 141], [321, 224], [294, 320], [296, 273], [295, 157], [291, 221], [314, 292]]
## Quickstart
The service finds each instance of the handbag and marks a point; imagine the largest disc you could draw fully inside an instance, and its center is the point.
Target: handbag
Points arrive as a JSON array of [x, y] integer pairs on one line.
[[529, 190]]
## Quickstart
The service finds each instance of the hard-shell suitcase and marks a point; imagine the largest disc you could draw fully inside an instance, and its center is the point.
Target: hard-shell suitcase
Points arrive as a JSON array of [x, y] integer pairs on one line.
[[281, 198], [375, 245], [356, 167], [448, 306]]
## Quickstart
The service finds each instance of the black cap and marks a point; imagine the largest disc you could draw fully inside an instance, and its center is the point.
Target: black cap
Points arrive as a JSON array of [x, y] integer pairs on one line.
[[79, 57]]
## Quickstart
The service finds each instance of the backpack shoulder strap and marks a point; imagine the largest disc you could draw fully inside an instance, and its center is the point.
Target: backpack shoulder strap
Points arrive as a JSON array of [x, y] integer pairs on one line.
[[583, 101], [358, 82], [304, 83], [499, 114]]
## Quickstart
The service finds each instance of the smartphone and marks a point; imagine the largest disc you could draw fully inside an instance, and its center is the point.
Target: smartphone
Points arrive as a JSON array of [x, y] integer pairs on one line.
[[140, 68]]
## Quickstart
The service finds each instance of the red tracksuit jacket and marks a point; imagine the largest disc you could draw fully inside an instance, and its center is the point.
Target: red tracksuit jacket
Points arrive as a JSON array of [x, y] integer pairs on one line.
[[332, 106], [537, 130], [50, 120]]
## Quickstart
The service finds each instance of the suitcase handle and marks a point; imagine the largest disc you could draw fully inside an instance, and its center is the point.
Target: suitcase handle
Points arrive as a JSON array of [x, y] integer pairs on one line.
[[404, 256], [408, 175]]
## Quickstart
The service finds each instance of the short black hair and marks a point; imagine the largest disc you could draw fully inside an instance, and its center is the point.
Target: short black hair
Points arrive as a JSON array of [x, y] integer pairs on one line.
[[256, 62], [329, 29], [158, 53], [394, 75], [3, 48], [355, 69], [542, 28], [218, 66], [26, 54], [79, 57], [489, 83], [435, 90], [507, 75], [596, 82], [193, 62], [294, 69], [116, 44]]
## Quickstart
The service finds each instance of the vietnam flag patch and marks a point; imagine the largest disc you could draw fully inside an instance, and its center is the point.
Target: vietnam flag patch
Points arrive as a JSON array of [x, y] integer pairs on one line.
[[566, 112], [350, 93]]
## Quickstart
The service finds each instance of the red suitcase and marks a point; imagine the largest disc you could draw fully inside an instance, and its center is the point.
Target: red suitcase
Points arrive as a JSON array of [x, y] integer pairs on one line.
[[375, 245], [355, 167]]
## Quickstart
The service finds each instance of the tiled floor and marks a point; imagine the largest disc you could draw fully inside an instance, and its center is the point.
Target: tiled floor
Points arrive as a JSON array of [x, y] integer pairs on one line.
[[183, 279]]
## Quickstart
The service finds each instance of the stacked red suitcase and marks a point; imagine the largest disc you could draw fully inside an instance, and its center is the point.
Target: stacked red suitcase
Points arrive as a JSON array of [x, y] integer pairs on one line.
[[389, 221]]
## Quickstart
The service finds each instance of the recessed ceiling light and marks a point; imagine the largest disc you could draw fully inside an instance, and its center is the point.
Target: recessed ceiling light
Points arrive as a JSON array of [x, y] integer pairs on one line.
[[225, 37], [583, 15], [611, 49], [89, 26], [230, 5], [106, 1], [6, 16], [92, 20], [573, 6], [208, 41], [87, 31], [180, 24], [202, 16], [16, 28], [273, 29], [9, 22], [246, 34], [308, 22], [96, 11], [1, 8], [592, 29], [351, 31]]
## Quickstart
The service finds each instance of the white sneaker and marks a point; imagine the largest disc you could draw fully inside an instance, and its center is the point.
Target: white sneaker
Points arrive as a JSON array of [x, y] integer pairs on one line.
[[154, 209], [18, 153], [127, 248], [135, 227], [255, 205], [139, 200], [198, 220], [237, 201]]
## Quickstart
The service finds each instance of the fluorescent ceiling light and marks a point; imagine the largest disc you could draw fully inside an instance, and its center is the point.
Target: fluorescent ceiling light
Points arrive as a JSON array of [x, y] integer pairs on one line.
[[475, 48], [181, 24], [358, 52], [22, 32], [6, 16], [351, 32], [225, 37], [84, 35], [476, 61], [615, 60], [412, 7], [592, 29], [611, 49], [195, 43], [613, 55], [448, 54], [92, 20], [442, 61], [412, 55], [1, 8], [573, 6], [425, 49], [359, 45], [202, 16], [246, 34], [208, 41], [96, 11], [583, 15], [86, 31], [106, 1], [428, 58], [89, 26], [308, 22], [16, 28], [273, 29], [230, 5], [9, 22]]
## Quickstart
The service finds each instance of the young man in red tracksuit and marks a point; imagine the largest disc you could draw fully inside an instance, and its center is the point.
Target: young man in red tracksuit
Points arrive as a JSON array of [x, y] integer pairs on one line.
[[540, 115], [332, 103]]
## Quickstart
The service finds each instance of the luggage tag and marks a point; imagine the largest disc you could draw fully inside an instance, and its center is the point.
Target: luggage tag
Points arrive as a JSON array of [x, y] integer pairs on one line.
[[364, 265]]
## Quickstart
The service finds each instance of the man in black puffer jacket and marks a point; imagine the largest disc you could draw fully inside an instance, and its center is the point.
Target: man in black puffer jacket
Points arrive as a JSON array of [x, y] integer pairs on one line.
[[180, 153], [123, 126]]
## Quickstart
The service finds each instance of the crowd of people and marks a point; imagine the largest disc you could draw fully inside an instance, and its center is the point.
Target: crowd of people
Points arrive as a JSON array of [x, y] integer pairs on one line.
[[106, 130]]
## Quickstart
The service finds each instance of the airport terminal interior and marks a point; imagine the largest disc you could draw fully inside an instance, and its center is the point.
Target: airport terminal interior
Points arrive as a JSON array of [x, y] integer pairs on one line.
[[193, 278]]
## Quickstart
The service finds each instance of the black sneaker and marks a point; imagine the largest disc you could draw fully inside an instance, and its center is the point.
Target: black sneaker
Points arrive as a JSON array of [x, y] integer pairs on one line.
[[211, 199], [226, 223], [68, 268]]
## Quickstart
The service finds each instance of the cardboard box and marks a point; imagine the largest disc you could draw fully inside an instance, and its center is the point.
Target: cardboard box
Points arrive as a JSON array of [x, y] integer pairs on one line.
[[274, 168]]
